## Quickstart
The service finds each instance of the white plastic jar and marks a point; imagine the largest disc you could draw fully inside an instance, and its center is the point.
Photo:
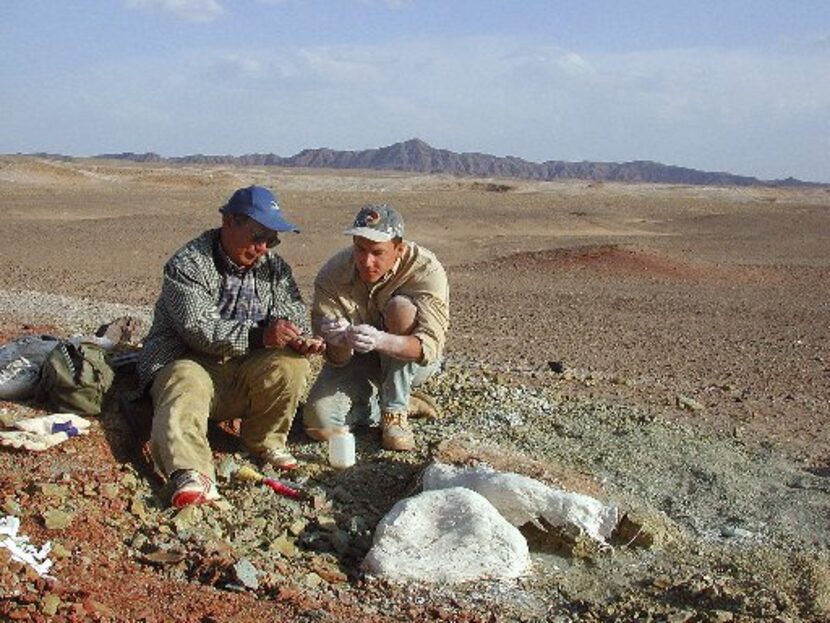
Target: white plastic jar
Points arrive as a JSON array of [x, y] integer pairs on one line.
[[341, 448]]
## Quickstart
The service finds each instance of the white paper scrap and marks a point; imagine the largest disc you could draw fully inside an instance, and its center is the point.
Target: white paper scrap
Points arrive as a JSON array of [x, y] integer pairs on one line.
[[20, 548]]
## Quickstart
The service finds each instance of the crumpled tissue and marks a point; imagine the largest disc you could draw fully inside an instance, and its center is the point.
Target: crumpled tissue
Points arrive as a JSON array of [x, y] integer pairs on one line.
[[20, 548]]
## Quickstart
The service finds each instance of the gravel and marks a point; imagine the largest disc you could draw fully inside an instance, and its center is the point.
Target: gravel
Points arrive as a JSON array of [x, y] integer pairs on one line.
[[723, 530], [73, 314]]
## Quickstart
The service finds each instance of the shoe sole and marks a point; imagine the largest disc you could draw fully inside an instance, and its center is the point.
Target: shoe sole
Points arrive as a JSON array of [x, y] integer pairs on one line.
[[188, 498]]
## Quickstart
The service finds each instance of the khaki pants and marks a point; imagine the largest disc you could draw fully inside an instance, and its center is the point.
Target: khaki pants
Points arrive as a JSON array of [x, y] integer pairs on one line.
[[262, 389]]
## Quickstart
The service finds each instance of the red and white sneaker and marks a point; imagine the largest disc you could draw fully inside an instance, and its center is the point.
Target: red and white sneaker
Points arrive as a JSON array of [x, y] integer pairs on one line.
[[192, 487]]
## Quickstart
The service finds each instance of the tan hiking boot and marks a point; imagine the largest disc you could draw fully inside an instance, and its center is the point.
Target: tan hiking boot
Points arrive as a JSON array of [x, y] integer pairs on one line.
[[396, 432], [422, 405]]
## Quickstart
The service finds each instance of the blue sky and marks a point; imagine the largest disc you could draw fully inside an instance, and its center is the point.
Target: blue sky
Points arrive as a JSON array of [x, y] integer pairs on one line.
[[740, 86]]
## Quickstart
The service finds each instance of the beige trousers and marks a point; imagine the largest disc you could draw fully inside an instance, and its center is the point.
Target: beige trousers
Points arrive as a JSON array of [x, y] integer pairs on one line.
[[262, 389]]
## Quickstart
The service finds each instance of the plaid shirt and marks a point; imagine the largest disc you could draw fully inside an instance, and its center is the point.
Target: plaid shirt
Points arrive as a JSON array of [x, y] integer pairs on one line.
[[187, 316], [238, 299]]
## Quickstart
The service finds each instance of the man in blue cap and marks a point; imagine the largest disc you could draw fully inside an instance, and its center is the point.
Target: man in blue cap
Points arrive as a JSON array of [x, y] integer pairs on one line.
[[230, 339]]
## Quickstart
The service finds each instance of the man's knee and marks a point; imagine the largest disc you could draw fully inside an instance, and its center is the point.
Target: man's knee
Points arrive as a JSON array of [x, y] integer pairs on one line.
[[320, 417], [399, 315], [183, 370], [181, 377], [325, 409], [288, 371]]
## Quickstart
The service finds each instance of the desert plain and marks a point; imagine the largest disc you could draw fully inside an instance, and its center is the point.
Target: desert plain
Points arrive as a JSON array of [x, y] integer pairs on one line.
[[663, 347]]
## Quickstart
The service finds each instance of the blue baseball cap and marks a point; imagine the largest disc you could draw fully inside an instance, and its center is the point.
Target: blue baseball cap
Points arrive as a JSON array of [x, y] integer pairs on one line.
[[260, 204]]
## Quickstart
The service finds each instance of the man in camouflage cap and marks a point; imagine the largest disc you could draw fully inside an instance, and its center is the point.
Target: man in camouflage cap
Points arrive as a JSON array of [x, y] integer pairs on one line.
[[382, 306]]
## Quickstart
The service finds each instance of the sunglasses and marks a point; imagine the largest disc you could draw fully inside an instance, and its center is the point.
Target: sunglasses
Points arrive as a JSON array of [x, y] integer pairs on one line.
[[271, 239], [258, 235]]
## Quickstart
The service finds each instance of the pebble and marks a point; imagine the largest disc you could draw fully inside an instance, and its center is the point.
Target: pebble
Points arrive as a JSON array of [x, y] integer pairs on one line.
[[59, 551], [284, 546], [187, 517], [59, 492], [11, 507], [312, 580], [298, 526], [246, 573], [130, 481], [55, 519], [49, 604], [690, 404], [226, 469], [110, 490]]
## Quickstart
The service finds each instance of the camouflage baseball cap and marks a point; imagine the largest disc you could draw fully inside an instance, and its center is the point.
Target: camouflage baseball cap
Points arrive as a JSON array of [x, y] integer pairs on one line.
[[377, 222]]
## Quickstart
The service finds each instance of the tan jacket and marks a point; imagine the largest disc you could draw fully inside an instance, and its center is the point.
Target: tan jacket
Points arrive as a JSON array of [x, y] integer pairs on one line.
[[418, 275]]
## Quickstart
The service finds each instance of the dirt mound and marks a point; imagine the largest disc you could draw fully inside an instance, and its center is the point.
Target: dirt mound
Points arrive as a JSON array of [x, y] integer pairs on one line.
[[33, 171], [44, 172], [613, 260], [182, 177], [606, 258]]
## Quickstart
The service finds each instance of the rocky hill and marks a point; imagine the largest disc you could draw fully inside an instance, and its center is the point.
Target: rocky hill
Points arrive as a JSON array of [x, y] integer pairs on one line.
[[416, 155]]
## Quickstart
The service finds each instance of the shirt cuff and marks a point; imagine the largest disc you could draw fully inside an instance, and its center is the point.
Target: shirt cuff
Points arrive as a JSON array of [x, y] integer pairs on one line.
[[255, 335]]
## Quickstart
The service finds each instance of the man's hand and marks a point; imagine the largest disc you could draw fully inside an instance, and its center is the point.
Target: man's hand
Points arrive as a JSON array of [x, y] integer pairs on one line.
[[335, 331], [280, 333], [365, 338], [308, 345]]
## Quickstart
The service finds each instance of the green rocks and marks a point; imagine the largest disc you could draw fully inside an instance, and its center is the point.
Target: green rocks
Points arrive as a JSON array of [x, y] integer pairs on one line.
[[49, 604], [187, 517], [11, 507], [56, 519], [690, 404], [284, 546]]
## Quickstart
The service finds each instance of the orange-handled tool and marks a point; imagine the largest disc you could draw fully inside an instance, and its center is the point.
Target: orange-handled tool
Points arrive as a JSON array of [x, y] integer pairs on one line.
[[249, 474]]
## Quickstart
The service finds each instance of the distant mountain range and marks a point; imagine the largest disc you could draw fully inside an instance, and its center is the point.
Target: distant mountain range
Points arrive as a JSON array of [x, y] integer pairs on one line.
[[417, 156]]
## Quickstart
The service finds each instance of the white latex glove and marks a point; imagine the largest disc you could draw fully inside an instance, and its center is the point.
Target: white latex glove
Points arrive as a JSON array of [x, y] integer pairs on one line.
[[335, 331], [41, 433], [25, 440], [57, 422], [365, 338]]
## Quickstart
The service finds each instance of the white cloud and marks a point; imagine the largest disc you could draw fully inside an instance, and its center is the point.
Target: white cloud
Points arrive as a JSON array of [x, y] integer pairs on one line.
[[229, 67], [339, 65], [573, 63], [188, 10]]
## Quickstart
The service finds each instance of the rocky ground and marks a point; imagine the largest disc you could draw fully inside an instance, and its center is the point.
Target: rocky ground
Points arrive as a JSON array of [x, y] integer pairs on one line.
[[664, 349]]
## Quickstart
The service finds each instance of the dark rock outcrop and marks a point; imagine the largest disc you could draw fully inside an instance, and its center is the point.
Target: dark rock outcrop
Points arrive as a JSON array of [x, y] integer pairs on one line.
[[417, 156]]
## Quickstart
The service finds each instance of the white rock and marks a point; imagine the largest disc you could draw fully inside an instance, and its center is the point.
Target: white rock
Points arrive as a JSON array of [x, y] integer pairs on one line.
[[451, 535], [522, 500]]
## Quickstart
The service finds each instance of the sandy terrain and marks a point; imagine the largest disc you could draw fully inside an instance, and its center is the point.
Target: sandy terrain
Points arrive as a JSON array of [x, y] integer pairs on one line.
[[647, 294]]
